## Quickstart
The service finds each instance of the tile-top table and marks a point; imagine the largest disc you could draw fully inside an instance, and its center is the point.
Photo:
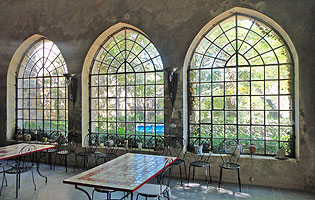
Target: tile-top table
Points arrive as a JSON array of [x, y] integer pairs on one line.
[[12, 151], [126, 173]]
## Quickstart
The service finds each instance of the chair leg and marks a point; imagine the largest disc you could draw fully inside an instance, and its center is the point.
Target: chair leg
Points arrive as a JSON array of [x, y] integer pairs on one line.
[[66, 163], [206, 176], [210, 174], [185, 170], [239, 179], [3, 177], [194, 173], [93, 193], [180, 175], [17, 186], [220, 177], [188, 175], [137, 197], [55, 161], [74, 167], [33, 180], [19, 180]]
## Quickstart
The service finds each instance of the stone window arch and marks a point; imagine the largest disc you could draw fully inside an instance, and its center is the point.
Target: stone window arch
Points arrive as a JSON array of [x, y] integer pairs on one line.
[[41, 92]]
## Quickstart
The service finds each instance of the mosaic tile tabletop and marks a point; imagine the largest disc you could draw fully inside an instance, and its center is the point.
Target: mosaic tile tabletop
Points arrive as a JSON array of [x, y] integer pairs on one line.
[[125, 173], [11, 151]]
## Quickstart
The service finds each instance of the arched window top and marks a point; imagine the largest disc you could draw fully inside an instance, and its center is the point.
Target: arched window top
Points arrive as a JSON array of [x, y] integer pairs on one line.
[[127, 50], [41, 89], [42, 59], [240, 40], [126, 87], [241, 84]]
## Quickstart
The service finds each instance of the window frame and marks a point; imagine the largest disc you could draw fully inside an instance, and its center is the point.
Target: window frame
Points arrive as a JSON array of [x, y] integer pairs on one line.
[[188, 61], [155, 138], [28, 53]]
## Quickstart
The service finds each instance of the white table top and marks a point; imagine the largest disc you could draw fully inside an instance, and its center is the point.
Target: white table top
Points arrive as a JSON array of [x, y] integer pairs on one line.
[[125, 173], [11, 151]]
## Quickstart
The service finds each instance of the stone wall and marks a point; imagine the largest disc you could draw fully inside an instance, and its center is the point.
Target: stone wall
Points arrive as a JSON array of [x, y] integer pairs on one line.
[[171, 25]]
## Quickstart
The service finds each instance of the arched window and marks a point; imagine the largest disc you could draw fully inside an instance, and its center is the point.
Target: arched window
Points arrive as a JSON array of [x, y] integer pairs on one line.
[[41, 89], [241, 86], [127, 87]]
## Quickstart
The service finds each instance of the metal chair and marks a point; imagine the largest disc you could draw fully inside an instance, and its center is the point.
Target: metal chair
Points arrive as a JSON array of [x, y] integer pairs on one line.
[[230, 152], [90, 144], [110, 148], [22, 165], [67, 149], [157, 143], [3, 178], [162, 189], [201, 161], [52, 139], [174, 147], [133, 143]]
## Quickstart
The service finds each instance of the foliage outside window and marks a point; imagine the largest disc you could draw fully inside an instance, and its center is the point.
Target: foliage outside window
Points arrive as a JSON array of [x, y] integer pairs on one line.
[[241, 87], [41, 90], [127, 88]]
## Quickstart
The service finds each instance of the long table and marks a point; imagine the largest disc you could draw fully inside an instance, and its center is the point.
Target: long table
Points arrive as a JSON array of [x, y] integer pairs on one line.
[[12, 151], [126, 173]]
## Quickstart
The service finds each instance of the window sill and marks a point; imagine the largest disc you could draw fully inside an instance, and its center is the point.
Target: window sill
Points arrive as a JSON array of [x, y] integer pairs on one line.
[[254, 157]]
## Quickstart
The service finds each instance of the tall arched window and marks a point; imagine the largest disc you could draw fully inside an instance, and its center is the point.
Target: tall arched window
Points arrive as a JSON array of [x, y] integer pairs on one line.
[[41, 89], [127, 87], [241, 86]]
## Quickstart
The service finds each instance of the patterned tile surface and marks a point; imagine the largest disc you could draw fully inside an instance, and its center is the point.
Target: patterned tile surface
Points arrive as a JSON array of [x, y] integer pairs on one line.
[[13, 150], [127, 172]]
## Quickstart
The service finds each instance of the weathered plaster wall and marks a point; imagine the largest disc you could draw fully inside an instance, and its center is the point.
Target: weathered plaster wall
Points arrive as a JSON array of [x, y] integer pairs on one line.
[[172, 25]]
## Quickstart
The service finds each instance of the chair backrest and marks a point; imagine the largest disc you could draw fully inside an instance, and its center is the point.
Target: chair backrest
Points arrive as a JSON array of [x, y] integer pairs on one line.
[[156, 143], [202, 149], [134, 140], [22, 160], [230, 151], [111, 143], [175, 147], [91, 142], [166, 174]]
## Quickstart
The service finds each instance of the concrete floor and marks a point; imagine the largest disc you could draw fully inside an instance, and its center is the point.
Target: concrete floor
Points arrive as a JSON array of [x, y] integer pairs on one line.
[[56, 190]]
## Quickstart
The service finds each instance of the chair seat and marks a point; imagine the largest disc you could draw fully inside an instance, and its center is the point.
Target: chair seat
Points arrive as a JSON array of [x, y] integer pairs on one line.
[[200, 164], [178, 161], [64, 152], [18, 169], [106, 155], [54, 150], [101, 190], [232, 166], [152, 190], [85, 153]]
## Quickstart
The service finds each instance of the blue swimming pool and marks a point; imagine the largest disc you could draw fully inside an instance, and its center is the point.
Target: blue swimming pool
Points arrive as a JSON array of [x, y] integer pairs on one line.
[[151, 129]]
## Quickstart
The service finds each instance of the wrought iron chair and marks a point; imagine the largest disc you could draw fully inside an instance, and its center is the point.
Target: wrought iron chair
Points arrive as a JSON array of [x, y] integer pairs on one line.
[[162, 189], [67, 149], [133, 143], [90, 144], [156, 143], [3, 178], [230, 152], [22, 165], [53, 138], [110, 150], [174, 147], [201, 161]]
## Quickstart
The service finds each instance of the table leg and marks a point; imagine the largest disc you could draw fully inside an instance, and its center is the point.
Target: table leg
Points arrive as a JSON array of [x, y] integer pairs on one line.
[[37, 168], [87, 194]]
